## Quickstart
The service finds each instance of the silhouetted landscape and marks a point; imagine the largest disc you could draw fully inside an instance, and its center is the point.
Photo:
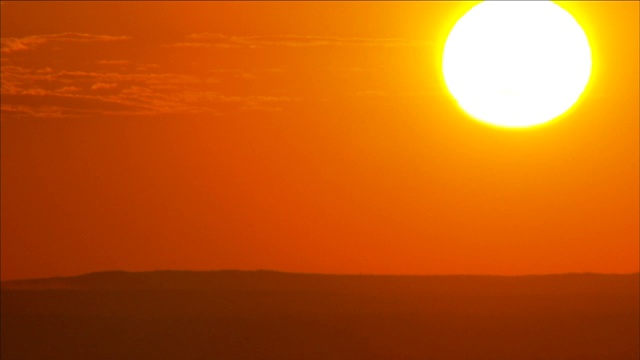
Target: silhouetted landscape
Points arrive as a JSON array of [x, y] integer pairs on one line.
[[273, 315]]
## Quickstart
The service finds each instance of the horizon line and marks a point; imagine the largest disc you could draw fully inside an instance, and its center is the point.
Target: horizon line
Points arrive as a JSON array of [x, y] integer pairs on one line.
[[316, 273]]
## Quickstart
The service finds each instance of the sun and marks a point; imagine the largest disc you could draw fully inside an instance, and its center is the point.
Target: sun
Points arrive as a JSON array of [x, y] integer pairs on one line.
[[516, 63]]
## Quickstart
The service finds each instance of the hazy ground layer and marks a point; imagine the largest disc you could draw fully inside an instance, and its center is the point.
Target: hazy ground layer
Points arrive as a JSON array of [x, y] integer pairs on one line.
[[269, 315]]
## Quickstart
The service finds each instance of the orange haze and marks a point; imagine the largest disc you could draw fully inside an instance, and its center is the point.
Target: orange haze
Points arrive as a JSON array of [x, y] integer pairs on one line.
[[299, 136]]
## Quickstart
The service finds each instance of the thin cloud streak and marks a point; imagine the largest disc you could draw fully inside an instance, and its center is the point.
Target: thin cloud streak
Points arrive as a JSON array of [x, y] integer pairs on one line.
[[44, 92], [10, 45], [113, 62], [206, 40]]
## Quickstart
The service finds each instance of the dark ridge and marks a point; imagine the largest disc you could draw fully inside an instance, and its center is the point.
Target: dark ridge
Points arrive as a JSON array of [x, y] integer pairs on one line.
[[266, 280], [269, 315]]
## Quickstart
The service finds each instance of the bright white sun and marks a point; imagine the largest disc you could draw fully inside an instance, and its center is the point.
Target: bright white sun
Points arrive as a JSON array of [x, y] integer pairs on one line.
[[516, 63]]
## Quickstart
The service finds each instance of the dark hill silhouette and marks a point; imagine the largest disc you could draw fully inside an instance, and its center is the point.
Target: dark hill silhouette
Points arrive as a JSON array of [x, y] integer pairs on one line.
[[273, 315], [282, 281]]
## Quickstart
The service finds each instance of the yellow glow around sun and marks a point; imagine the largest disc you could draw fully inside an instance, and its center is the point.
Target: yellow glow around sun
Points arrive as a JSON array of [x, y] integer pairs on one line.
[[516, 63]]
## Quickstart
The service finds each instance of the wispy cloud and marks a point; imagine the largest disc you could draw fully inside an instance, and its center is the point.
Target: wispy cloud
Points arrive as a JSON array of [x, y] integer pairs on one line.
[[101, 85], [113, 62], [9, 45], [39, 112], [204, 40], [44, 92]]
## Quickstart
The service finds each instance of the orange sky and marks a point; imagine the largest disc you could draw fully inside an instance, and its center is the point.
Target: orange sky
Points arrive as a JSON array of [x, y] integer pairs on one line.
[[307, 137]]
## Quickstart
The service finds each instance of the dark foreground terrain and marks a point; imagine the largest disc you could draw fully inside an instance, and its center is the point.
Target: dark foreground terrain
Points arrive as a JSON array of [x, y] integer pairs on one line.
[[270, 315]]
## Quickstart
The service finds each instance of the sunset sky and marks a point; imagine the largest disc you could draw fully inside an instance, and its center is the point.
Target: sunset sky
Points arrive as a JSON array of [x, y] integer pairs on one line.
[[303, 137]]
